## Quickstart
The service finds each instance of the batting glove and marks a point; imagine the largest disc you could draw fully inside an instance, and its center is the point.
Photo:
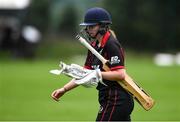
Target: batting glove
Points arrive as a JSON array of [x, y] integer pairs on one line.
[[84, 77], [91, 79]]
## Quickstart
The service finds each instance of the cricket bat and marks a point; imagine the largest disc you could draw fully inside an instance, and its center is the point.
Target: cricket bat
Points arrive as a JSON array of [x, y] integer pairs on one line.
[[128, 84]]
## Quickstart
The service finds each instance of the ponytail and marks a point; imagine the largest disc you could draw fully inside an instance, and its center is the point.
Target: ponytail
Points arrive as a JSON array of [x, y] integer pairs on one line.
[[113, 33]]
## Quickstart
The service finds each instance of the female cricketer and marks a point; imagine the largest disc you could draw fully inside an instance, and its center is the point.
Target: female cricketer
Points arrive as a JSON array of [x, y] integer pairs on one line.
[[116, 104]]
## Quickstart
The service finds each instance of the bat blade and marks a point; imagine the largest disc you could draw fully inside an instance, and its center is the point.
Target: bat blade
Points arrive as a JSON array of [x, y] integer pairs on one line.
[[137, 92]]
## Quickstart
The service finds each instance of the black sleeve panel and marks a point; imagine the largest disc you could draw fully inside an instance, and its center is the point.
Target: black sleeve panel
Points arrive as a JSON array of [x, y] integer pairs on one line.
[[115, 54]]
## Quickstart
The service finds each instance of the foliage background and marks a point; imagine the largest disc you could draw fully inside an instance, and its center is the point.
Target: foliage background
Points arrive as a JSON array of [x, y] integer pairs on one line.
[[153, 23]]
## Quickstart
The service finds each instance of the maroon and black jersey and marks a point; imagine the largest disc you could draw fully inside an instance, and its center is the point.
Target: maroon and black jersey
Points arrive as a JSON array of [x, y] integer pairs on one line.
[[116, 104], [111, 50]]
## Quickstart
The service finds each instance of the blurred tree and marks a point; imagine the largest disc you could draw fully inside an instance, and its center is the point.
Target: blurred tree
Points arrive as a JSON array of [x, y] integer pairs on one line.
[[38, 14], [63, 17], [177, 24], [151, 25], [67, 14], [59, 16], [145, 25], [69, 21]]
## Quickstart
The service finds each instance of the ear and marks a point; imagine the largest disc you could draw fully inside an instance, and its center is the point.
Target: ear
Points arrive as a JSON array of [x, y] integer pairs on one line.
[[102, 31]]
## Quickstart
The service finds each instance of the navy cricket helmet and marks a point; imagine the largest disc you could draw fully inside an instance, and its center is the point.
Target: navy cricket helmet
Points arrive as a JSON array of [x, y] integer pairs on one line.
[[95, 16]]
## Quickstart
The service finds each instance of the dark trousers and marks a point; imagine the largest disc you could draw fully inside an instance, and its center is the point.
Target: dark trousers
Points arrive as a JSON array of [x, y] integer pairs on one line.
[[115, 105]]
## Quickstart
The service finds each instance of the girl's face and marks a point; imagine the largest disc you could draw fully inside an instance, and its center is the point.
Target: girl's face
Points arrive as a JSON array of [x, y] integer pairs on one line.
[[92, 30]]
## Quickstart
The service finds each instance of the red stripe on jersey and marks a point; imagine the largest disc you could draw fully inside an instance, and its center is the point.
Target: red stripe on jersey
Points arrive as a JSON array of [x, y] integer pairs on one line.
[[105, 38], [117, 67], [87, 67], [93, 43], [114, 104], [105, 107]]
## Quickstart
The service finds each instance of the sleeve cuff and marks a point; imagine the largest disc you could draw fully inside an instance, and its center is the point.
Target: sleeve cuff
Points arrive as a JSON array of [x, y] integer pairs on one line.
[[87, 67], [117, 67]]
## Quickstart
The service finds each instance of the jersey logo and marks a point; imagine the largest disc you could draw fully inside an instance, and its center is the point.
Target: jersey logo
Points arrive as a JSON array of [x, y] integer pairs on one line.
[[114, 60]]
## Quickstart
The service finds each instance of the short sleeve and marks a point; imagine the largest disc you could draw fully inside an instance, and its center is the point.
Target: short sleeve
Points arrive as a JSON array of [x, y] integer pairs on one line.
[[115, 55]]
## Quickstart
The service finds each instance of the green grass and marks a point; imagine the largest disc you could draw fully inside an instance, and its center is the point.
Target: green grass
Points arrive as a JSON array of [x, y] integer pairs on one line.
[[25, 88], [163, 83]]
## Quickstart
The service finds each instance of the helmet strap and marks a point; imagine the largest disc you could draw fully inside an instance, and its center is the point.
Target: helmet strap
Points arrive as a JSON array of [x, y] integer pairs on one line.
[[86, 35], [103, 29]]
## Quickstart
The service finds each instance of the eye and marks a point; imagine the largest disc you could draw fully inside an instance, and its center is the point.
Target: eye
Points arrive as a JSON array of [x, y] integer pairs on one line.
[[91, 26]]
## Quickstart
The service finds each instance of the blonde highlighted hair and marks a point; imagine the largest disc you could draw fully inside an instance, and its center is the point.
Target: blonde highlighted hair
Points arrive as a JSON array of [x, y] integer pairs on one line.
[[113, 33]]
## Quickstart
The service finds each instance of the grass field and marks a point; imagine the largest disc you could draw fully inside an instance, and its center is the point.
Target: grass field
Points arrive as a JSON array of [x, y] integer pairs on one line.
[[25, 88]]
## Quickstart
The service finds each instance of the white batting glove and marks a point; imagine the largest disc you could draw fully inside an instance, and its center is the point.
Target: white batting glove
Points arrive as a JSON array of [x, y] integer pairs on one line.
[[91, 79], [84, 77]]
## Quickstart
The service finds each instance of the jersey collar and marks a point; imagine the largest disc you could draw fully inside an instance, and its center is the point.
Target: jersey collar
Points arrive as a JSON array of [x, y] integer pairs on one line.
[[105, 38]]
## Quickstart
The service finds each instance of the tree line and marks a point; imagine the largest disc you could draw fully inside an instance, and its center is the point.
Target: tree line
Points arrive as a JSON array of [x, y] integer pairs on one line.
[[139, 24]]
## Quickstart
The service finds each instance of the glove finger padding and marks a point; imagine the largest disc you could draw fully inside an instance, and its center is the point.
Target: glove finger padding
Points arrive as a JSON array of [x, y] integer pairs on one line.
[[75, 71], [59, 71]]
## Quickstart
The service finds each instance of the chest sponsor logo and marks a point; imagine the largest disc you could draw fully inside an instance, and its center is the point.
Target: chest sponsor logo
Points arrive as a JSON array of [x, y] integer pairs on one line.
[[114, 60]]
